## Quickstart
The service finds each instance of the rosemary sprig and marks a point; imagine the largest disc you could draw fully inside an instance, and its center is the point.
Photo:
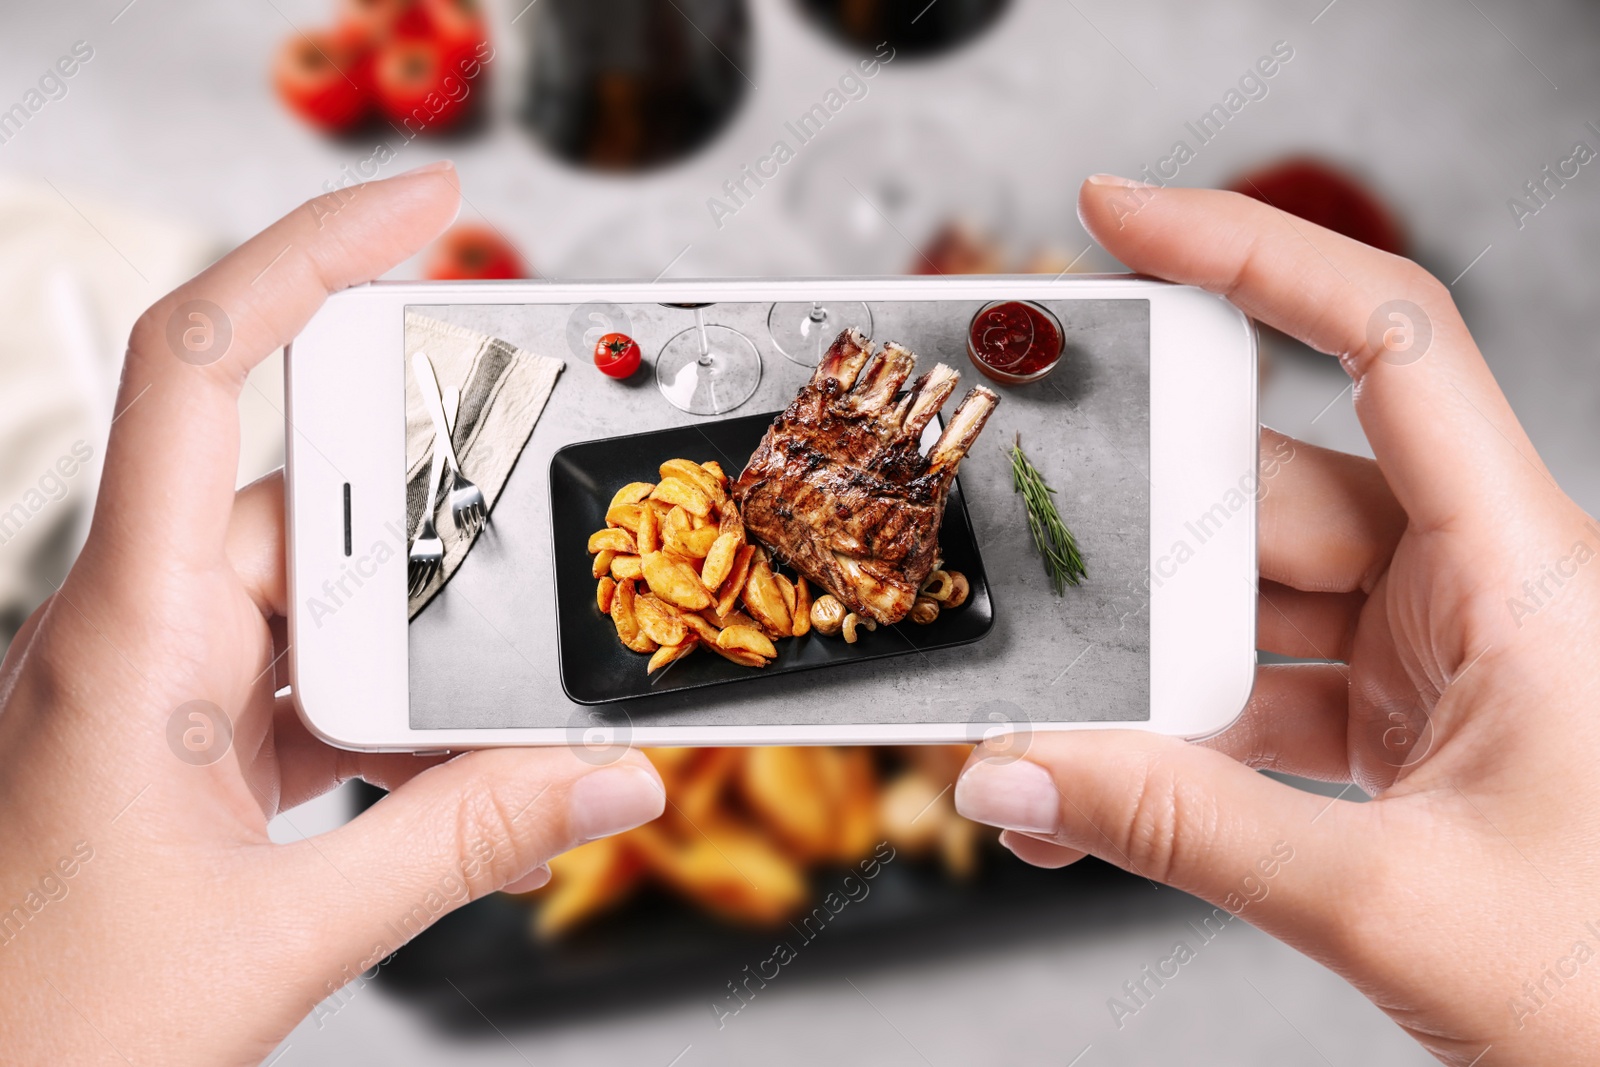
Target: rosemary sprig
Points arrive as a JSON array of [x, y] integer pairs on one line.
[[1062, 560]]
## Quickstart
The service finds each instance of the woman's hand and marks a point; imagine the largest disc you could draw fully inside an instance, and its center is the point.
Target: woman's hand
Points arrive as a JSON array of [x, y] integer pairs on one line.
[[145, 916], [1452, 582]]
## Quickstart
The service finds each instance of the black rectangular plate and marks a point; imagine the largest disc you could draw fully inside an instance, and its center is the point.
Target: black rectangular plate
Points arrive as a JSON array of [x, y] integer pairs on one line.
[[597, 669]]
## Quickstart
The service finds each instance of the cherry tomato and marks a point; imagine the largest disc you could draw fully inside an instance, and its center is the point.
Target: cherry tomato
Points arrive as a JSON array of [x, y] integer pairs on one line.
[[1314, 191], [318, 77], [416, 86], [617, 355], [470, 252], [459, 28]]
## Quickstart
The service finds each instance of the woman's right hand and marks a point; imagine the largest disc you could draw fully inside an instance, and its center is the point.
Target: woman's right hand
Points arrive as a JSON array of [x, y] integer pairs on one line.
[[1451, 583]]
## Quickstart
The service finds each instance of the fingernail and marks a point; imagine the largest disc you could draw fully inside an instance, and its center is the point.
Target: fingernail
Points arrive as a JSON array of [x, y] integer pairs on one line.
[[427, 168], [537, 878], [1118, 181], [1013, 796], [612, 800]]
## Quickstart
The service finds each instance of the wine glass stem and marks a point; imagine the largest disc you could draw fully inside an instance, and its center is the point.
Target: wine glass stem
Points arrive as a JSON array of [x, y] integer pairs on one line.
[[818, 312], [705, 342]]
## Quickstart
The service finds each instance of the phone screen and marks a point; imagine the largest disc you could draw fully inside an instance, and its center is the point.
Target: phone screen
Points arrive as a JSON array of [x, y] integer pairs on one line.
[[681, 515]]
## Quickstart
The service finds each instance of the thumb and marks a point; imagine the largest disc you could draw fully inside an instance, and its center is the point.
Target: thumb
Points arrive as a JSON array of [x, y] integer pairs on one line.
[[459, 831], [1176, 813]]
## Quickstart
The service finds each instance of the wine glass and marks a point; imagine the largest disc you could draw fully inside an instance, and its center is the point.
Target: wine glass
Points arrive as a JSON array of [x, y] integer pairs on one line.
[[914, 28], [874, 197], [707, 369], [803, 332]]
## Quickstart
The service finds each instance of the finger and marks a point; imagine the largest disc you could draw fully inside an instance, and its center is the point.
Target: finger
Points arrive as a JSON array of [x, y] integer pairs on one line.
[[1176, 813], [1039, 853], [1328, 521], [172, 458], [255, 543], [1297, 722], [1391, 729], [1290, 622], [464, 829], [1429, 399]]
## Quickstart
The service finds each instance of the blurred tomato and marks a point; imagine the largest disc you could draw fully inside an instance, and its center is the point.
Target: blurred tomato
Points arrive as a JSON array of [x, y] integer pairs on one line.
[[409, 77], [375, 19], [1314, 191], [470, 252], [617, 355], [458, 25], [316, 76]]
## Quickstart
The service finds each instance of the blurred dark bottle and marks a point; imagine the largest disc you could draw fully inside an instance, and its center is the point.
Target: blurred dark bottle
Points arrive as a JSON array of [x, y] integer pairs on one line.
[[625, 85], [912, 27]]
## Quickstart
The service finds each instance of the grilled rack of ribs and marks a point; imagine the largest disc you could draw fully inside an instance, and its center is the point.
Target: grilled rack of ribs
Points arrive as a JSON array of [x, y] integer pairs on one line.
[[839, 486]]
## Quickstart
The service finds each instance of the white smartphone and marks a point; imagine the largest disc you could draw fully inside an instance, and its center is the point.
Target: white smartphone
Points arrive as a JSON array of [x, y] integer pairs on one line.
[[528, 576]]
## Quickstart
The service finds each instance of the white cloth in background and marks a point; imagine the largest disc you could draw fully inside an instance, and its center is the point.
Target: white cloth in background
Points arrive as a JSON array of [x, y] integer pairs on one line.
[[75, 273]]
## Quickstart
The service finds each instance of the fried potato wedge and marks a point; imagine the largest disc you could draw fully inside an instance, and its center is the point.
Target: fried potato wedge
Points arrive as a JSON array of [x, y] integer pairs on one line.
[[584, 882], [675, 525], [683, 494], [669, 762], [627, 622], [659, 622], [632, 493], [856, 822], [732, 618], [671, 653], [625, 516], [719, 560], [733, 584], [612, 538], [626, 568], [602, 562], [697, 476], [648, 533], [740, 656], [702, 627], [787, 788], [914, 809], [604, 592], [732, 871], [749, 639], [713, 468], [701, 788], [786, 587], [802, 606], [696, 544], [765, 600], [674, 581]]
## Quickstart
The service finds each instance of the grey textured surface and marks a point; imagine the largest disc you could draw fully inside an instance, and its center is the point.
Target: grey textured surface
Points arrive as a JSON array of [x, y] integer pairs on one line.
[[1081, 656]]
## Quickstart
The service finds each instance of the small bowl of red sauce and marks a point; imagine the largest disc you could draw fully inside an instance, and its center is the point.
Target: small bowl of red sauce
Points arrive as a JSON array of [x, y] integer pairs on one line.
[[1014, 341]]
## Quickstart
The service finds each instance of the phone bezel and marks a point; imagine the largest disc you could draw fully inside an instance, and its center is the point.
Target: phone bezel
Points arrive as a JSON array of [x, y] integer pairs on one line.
[[348, 669]]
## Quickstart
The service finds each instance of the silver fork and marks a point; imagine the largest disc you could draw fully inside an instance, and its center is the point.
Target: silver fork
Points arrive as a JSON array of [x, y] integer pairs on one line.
[[467, 506], [427, 551]]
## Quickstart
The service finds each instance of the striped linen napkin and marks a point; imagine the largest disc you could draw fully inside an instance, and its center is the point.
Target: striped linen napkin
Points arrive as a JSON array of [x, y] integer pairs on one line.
[[503, 391]]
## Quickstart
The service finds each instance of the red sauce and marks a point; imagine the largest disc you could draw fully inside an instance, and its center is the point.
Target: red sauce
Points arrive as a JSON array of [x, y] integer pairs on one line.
[[1318, 193], [1014, 338]]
